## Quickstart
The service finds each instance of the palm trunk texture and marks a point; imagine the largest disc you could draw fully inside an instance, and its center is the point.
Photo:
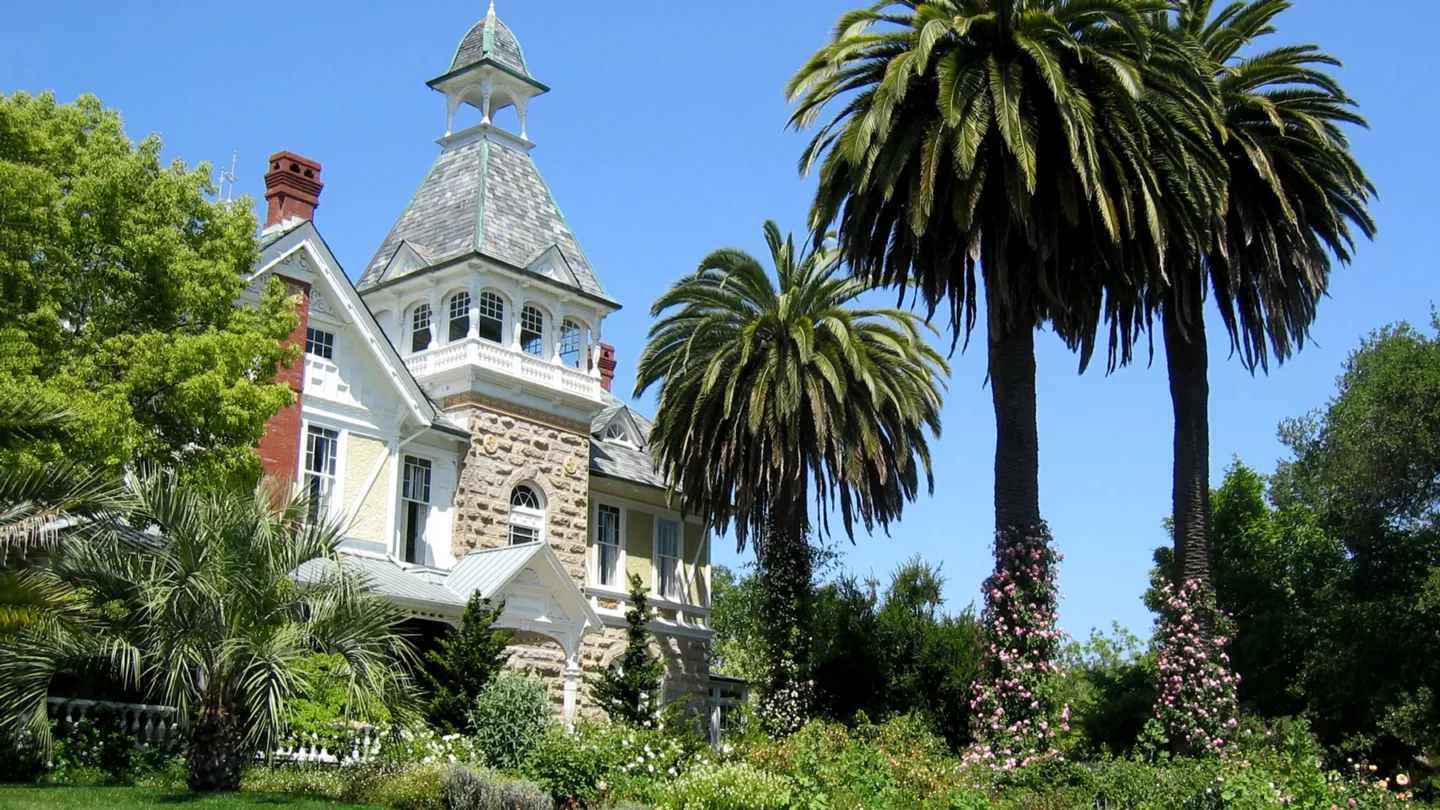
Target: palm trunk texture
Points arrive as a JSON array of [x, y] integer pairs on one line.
[[1187, 359], [215, 751], [1017, 442]]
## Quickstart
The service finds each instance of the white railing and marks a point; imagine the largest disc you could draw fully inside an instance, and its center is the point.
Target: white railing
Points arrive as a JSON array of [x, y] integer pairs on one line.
[[150, 725], [669, 613], [483, 353], [362, 746]]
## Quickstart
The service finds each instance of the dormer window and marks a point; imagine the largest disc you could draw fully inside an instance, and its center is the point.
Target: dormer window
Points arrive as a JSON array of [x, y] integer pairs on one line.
[[617, 432], [420, 329], [320, 343], [492, 317], [532, 331], [459, 316]]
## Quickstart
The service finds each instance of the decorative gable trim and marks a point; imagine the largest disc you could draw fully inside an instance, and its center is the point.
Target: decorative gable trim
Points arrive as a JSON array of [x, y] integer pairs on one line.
[[551, 264]]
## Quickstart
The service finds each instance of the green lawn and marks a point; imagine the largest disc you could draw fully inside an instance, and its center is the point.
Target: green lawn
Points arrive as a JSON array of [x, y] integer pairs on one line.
[[26, 797]]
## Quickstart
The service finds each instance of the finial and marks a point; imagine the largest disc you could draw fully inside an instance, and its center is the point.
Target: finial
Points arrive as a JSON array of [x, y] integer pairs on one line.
[[492, 9]]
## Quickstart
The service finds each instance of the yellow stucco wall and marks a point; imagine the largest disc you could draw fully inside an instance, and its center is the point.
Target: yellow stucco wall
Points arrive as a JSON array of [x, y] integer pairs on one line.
[[694, 535], [639, 543], [361, 453]]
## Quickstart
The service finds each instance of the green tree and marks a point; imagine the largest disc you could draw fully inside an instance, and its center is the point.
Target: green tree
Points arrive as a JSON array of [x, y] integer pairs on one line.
[[629, 690], [118, 281], [464, 660], [1293, 193], [215, 608], [774, 396], [1033, 141]]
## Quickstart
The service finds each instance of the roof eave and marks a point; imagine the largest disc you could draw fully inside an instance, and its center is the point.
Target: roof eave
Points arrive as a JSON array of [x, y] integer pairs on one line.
[[482, 62], [613, 305]]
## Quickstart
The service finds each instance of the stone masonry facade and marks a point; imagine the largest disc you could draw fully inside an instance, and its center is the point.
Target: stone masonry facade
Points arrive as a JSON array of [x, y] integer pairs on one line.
[[508, 449]]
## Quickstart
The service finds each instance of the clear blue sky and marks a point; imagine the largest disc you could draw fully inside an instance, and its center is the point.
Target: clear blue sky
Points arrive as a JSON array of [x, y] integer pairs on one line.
[[663, 137]]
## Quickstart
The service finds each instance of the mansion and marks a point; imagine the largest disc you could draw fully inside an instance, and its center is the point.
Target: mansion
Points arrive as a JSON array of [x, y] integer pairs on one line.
[[454, 412]]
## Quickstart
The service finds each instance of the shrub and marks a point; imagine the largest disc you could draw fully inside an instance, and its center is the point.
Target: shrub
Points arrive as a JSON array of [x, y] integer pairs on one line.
[[572, 767], [424, 746], [466, 788], [728, 786], [414, 788], [464, 661], [96, 742], [509, 718]]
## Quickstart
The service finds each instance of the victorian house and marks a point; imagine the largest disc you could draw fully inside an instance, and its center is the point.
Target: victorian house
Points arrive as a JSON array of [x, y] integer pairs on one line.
[[454, 411]]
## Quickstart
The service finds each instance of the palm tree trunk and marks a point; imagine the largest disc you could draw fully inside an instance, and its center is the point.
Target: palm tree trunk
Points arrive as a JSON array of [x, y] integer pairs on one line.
[[1187, 359], [1017, 441], [785, 566], [215, 752]]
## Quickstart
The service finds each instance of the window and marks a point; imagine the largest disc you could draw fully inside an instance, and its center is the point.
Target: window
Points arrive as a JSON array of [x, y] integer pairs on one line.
[[321, 445], [607, 544], [667, 559], [320, 343], [616, 431], [459, 316], [570, 334], [420, 329], [415, 500], [492, 317], [527, 515], [532, 331]]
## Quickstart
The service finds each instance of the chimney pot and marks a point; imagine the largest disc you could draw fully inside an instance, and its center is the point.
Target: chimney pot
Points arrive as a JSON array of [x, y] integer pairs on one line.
[[292, 188]]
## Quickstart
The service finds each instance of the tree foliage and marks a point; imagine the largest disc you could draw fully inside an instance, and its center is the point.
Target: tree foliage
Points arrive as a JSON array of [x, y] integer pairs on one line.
[[118, 282], [629, 690], [463, 661]]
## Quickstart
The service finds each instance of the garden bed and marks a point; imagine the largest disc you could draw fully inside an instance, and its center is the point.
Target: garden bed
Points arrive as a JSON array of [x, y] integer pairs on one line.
[[26, 797]]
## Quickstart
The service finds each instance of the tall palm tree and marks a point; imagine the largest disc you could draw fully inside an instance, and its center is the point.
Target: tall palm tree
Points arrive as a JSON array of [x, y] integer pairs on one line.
[[213, 609], [1294, 193], [1008, 136], [777, 396]]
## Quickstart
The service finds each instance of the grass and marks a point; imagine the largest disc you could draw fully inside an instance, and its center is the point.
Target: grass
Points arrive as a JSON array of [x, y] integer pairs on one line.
[[25, 797]]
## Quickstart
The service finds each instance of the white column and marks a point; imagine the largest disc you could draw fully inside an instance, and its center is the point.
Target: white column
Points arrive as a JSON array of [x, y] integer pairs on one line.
[[485, 89], [474, 330], [522, 105], [557, 333], [572, 684], [514, 321], [435, 317]]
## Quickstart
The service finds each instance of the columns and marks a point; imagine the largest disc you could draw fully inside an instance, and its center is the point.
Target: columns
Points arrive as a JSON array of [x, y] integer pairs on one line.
[[572, 683], [473, 331], [522, 106], [437, 316]]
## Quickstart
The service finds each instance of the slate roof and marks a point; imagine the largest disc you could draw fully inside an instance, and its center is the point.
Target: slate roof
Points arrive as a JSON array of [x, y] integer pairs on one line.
[[484, 196], [491, 39], [617, 459]]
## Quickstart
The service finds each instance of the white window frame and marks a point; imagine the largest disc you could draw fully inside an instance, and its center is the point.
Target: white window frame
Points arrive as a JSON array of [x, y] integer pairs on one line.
[[422, 545], [327, 342], [452, 319], [569, 328], [621, 574], [491, 310], [526, 517], [679, 557], [414, 329], [520, 329], [335, 494]]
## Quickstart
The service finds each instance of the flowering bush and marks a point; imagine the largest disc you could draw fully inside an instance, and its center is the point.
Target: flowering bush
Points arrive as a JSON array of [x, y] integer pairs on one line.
[[728, 786], [1016, 717], [509, 718], [1196, 702]]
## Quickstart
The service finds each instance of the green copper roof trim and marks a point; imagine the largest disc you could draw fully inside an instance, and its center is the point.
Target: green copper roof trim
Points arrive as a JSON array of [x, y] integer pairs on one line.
[[487, 40], [480, 205], [573, 237], [538, 85]]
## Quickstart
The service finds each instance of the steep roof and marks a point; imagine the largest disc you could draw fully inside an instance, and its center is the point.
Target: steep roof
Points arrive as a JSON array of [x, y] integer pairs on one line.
[[491, 39], [484, 195], [628, 461]]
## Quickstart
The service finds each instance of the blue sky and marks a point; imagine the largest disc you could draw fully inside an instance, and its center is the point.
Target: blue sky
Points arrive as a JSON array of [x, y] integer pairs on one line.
[[663, 137]]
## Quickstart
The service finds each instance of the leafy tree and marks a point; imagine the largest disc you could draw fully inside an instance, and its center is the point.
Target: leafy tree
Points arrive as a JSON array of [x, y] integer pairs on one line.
[[117, 287], [629, 691], [1111, 691], [1293, 193], [204, 610], [771, 396], [464, 660]]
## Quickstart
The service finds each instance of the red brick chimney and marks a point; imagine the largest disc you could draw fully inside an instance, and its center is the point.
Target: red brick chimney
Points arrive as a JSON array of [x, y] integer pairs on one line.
[[292, 188], [607, 365], [280, 446]]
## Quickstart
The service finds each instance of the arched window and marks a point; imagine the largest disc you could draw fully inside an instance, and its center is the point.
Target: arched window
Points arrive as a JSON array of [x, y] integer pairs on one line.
[[492, 317], [459, 316], [532, 331], [571, 342], [527, 515], [420, 329]]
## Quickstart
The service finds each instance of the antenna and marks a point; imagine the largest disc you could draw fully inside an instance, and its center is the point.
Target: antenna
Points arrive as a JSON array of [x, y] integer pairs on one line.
[[223, 194]]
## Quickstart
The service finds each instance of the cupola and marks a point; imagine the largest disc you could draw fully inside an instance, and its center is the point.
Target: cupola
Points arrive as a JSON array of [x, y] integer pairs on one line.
[[488, 73]]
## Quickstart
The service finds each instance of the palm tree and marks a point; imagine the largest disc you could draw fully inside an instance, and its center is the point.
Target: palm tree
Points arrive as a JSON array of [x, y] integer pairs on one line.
[[213, 608], [1009, 136], [772, 397], [1294, 192]]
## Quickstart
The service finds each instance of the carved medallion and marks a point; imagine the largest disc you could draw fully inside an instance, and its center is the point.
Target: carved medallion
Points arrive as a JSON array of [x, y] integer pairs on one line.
[[491, 444], [319, 303], [571, 465]]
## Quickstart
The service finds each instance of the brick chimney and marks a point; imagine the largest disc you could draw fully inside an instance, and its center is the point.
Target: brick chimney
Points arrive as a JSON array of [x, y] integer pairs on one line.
[[279, 448], [292, 188], [607, 365]]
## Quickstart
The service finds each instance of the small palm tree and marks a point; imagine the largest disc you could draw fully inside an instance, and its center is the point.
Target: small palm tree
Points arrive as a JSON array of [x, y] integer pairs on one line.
[[776, 397], [1294, 192], [212, 609]]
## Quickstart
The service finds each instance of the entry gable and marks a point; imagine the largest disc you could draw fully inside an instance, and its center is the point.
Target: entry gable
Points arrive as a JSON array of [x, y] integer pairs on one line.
[[538, 593]]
